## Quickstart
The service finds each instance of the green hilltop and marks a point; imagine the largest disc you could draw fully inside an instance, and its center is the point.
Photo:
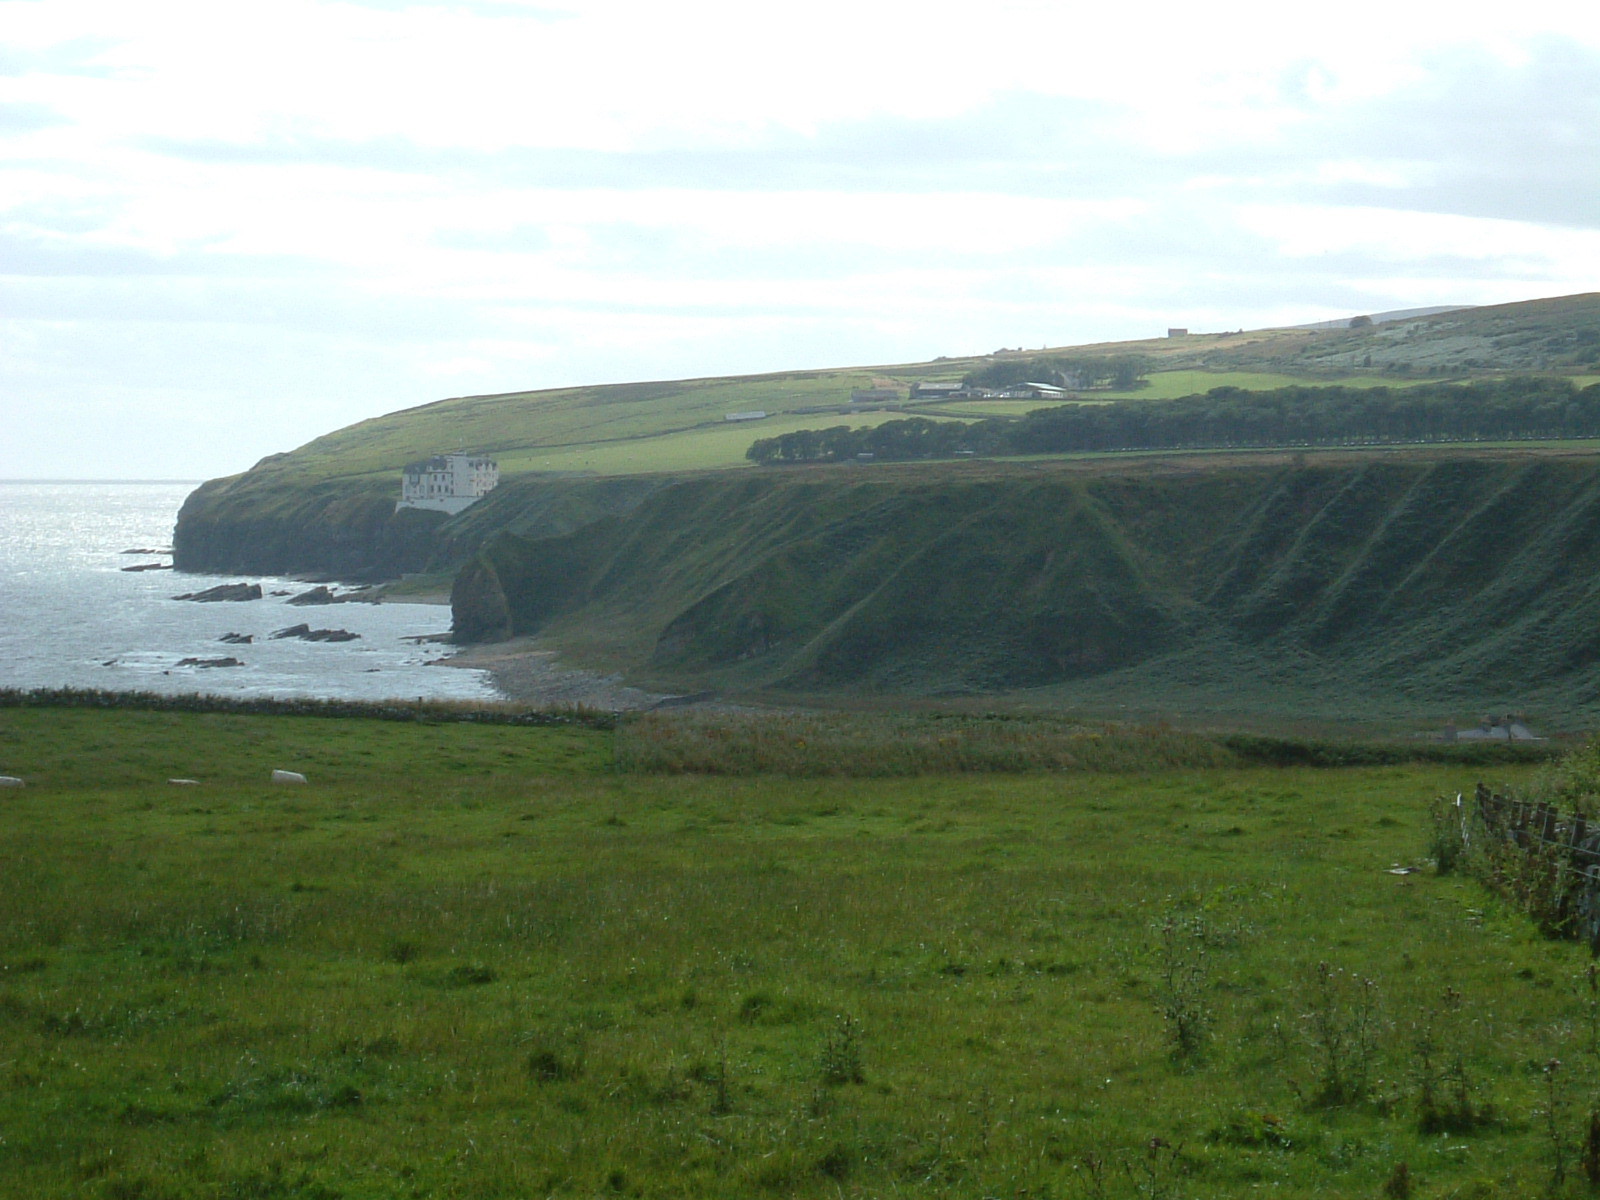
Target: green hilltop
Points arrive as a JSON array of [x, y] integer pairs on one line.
[[633, 428], [327, 507]]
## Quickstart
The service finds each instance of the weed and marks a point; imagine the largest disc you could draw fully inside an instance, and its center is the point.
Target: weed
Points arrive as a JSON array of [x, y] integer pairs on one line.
[[1153, 1174], [1591, 1149], [1182, 977], [550, 1064], [1447, 829], [1089, 1174], [1398, 1185], [469, 975], [1256, 1129], [1447, 1100], [721, 1094], [836, 1162], [1342, 1022], [754, 1006], [840, 1061], [1589, 992], [1554, 1116]]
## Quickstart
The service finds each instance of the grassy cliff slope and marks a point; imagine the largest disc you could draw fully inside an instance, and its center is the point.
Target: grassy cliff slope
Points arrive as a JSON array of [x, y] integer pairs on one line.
[[1469, 578]]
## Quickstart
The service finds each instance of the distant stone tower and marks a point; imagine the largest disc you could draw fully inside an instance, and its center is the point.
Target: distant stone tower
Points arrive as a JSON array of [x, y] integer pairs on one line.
[[447, 482]]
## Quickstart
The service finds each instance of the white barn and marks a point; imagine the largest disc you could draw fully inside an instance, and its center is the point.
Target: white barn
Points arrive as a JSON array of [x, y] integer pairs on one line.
[[447, 482]]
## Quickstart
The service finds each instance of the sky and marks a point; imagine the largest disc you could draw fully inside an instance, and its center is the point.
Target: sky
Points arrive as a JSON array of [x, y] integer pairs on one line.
[[228, 228]]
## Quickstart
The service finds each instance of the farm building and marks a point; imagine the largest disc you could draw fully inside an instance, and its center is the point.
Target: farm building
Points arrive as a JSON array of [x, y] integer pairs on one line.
[[941, 391], [447, 482]]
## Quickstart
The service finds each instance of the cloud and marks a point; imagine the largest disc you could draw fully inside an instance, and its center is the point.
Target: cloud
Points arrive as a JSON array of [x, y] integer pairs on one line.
[[1020, 142], [1474, 135], [331, 208], [18, 118], [79, 56]]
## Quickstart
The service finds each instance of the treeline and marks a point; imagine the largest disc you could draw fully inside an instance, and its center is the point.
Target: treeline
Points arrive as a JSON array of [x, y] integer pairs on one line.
[[1226, 418], [1120, 372]]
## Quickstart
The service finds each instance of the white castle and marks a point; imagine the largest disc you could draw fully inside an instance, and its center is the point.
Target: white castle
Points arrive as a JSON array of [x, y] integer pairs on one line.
[[447, 482]]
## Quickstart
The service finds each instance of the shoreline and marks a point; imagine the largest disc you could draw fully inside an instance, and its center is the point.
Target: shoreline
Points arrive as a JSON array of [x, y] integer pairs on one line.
[[525, 672]]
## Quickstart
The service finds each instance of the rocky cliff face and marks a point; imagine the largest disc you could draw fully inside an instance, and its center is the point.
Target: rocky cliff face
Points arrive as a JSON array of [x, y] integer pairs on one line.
[[272, 522], [1437, 575], [338, 529]]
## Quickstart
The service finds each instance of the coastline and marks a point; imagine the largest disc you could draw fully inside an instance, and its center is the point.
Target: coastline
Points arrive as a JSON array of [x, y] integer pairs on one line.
[[528, 673]]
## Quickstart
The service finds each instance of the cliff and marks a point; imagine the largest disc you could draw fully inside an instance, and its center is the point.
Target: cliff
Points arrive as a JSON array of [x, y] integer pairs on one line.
[[1427, 576], [276, 523], [345, 529]]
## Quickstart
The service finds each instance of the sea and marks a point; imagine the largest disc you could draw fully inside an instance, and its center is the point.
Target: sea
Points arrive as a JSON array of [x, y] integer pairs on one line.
[[72, 616]]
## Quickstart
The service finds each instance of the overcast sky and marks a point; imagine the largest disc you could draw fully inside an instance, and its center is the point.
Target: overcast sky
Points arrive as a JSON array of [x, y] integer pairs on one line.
[[226, 228]]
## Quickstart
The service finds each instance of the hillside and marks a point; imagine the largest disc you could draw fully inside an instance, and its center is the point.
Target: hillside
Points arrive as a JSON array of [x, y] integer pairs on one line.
[[327, 507], [1423, 582]]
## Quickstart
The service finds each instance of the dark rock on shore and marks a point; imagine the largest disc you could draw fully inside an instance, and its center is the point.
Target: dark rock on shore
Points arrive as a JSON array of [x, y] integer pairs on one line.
[[307, 634], [322, 594], [208, 662], [224, 591], [149, 567]]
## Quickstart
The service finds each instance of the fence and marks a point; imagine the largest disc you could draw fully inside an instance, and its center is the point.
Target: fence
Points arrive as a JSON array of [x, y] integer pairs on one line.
[[1546, 860]]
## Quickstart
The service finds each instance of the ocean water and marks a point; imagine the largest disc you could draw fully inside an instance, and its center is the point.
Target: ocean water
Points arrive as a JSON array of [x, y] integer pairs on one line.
[[70, 616]]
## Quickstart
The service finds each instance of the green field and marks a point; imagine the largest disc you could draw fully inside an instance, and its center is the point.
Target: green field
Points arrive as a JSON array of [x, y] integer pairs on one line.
[[1169, 385], [486, 961], [634, 428], [706, 448], [723, 444], [672, 425]]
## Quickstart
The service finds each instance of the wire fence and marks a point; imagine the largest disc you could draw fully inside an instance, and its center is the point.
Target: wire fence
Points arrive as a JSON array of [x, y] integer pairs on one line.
[[1545, 859]]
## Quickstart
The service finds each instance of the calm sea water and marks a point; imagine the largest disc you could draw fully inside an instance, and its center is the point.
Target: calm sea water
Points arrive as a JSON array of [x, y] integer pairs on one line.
[[71, 617]]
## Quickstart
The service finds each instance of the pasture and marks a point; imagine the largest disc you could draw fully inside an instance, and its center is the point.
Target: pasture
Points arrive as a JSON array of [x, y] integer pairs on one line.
[[492, 961]]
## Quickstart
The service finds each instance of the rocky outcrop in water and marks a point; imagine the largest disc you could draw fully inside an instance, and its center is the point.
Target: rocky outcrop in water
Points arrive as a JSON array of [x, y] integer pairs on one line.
[[208, 662], [224, 592], [307, 634], [322, 594], [237, 639]]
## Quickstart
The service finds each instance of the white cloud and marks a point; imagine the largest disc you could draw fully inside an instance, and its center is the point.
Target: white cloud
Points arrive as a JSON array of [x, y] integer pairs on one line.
[[316, 210]]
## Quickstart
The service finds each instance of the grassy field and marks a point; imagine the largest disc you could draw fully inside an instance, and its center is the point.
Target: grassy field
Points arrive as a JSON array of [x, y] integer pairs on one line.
[[704, 448], [723, 444], [475, 962], [1169, 385]]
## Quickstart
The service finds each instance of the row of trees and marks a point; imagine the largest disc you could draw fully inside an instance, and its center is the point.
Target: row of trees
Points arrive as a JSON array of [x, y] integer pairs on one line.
[[1227, 418]]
